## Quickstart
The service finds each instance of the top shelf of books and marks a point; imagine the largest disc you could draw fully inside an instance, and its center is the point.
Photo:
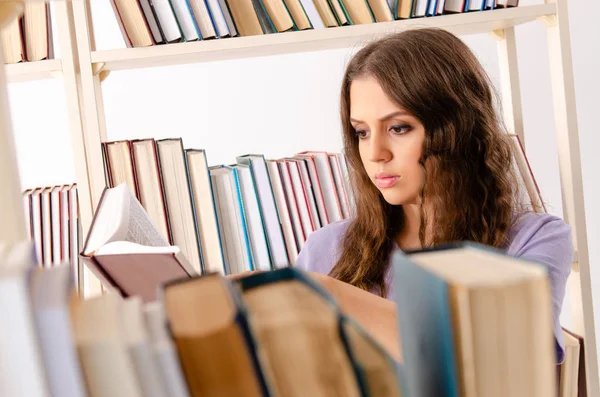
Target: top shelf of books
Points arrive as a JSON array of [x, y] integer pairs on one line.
[[311, 40]]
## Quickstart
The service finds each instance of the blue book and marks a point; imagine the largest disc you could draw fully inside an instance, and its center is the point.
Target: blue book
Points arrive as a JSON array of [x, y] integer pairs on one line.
[[424, 316]]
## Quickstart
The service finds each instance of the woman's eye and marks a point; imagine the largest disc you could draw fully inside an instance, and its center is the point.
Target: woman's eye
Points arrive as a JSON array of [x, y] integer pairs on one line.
[[362, 134], [400, 129]]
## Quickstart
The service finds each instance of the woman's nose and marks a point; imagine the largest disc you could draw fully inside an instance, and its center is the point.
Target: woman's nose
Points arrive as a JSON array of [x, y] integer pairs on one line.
[[379, 150]]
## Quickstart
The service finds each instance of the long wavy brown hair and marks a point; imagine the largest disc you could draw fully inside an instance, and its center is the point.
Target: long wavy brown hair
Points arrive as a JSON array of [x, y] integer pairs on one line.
[[469, 189]]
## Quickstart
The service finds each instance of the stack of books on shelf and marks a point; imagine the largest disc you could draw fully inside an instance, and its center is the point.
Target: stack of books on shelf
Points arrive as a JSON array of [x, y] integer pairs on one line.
[[151, 22], [29, 38], [52, 220], [472, 322], [202, 336], [255, 214]]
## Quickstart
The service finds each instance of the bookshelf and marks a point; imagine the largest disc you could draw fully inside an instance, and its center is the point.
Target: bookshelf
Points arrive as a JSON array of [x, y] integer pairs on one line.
[[30, 71], [83, 68], [311, 40]]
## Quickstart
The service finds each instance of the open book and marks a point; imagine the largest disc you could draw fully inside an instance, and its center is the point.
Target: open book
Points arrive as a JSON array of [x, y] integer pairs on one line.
[[125, 250]]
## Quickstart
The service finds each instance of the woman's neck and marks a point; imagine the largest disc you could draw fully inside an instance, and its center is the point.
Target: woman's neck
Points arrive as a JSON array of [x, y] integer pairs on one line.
[[408, 239]]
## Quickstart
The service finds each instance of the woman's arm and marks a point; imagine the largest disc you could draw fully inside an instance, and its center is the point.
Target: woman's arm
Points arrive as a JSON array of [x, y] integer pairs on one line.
[[375, 314]]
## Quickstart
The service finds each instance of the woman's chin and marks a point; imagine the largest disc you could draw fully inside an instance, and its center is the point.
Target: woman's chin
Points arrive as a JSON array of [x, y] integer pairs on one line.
[[398, 198]]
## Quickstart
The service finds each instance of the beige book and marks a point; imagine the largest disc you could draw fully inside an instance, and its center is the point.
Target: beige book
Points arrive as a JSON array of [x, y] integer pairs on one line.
[[149, 182], [204, 321], [245, 17], [527, 175], [376, 366], [101, 346], [37, 30], [404, 9], [381, 10], [119, 164], [204, 207], [279, 15], [500, 311], [358, 10], [299, 332], [569, 369], [178, 198], [13, 42], [132, 22], [298, 14]]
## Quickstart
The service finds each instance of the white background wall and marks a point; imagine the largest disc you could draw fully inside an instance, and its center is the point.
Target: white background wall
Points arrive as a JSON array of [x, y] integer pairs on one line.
[[284, 104]]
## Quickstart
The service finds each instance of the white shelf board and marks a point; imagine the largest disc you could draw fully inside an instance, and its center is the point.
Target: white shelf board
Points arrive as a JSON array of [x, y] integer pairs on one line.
[[312, 40], [29, 71]]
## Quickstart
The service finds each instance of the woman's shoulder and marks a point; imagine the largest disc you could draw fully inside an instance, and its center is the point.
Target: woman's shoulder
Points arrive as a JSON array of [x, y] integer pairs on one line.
[[531, 231], [322, 249]]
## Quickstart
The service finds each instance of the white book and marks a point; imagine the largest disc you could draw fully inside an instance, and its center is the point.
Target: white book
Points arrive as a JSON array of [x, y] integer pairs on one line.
[[50, 292], [254, 221], [310, 195], [55, 219], [64, 224], [269, 210], [314, 180], [231, 223], [203, 19], [103, 355], [21, 364], [283, 211], [332, 203], [454, 5], [36, 225], [167, 20], [163, 350], [288, 188], [46, 227], [154, 29], [186, 20], [476, 5], [419, 8], [138, 345], [302, 202], [339, 185], [231, 28]]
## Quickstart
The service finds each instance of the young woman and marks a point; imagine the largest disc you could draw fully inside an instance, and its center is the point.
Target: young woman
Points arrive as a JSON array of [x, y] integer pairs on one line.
[[430, 163]]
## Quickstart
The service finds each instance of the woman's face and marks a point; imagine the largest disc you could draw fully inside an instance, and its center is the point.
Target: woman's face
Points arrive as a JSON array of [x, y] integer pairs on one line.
[[390, 142]]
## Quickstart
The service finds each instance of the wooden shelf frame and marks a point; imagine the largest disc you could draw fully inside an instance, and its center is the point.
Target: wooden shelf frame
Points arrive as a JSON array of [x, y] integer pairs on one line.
[[30, 71], [82, 66]]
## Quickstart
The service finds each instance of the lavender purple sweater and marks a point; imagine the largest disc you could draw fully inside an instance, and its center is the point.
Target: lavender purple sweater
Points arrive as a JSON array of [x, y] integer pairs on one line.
[[543, 238]]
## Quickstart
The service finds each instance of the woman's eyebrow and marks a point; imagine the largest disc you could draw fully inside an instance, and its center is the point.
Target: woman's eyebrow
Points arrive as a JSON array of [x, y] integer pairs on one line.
[[386, 117], [394, 114]]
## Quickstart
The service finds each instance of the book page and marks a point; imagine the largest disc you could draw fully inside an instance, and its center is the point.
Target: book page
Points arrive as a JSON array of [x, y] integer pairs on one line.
[[140, 229]]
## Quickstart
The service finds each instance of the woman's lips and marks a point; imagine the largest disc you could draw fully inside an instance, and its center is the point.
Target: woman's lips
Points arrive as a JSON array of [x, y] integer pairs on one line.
[[384, 180]]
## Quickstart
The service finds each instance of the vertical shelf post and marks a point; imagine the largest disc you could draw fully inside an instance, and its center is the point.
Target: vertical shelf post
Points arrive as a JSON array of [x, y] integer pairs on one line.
[[565, 113], [509, 81], [12, 215]]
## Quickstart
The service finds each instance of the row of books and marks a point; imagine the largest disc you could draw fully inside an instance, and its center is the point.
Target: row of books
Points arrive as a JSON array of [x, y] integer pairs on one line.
[[255, 214], [52, 219], [150, 22], [465, 320], [204, 336], [29, 38]]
